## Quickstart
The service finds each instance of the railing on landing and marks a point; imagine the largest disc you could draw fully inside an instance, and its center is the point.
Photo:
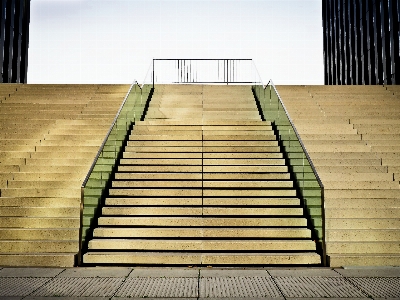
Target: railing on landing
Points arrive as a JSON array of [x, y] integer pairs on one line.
[[203, 71]]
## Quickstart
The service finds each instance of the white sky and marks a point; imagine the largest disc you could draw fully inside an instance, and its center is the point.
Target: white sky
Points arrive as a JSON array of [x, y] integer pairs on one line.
[[114, 41]]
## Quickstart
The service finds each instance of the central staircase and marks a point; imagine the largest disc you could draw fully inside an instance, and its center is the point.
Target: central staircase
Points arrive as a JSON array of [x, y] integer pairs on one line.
[[202, 181]]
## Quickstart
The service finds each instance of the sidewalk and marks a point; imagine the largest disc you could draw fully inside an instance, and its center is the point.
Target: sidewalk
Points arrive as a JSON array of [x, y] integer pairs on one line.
[[122, 283]]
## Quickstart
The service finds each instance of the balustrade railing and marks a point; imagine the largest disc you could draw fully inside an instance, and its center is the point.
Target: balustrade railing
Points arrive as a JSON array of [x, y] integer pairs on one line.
[[102, 169], [203, 71], [309, 185]]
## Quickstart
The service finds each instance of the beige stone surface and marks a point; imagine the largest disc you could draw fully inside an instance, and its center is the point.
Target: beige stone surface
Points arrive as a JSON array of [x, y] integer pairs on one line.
[[361, 185]]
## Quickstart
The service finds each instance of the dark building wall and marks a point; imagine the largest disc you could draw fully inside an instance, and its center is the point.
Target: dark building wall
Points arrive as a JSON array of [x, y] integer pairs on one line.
[[14, 40], [361, 41]]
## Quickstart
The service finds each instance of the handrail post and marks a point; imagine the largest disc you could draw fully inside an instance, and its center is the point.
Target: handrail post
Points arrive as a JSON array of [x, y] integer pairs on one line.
[[153, 73]]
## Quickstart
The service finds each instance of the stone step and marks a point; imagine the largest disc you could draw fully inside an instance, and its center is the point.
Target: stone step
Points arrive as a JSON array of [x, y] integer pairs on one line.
[[256, 201], [236, 184], [189, 259], [245, 169], [349, 177], [40, 202], [157, 184], [40, 259], [246, 176], [366, 259], [160, 155], [238, 137], [203, 233], [158, 176], [32, 246], [362, 193], [199, 245], [362, 223], [193, 136], [369, 235], [54, 234], [161, 169], [362, 203], [163, 149], [353, 169], [373, 213], [51, 212], [202, 221], [198, 211], [362, 247], [49, 176], [243, 162], [49, 192], [358, 185], [161, 161]]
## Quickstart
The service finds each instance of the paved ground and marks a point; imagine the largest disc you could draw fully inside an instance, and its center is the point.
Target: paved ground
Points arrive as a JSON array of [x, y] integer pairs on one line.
[[194, 283]]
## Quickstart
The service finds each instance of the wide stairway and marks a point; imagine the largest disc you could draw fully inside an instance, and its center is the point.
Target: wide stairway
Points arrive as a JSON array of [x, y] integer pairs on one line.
[[202, 181]]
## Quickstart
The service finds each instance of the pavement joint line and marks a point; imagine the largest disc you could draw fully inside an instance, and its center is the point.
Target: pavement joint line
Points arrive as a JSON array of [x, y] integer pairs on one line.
[[276, 285], [367, 295], [122, 283]]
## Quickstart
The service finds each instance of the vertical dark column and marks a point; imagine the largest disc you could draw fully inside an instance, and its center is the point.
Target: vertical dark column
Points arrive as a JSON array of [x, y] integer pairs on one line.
[[358, 53], [16, 57], [330, 51], [352, 75], [14, 40], [396, 38], [8, 42], [378, 34], [337, 44], [346, 46], [2, 35], [384, 24], [389, 50], [325, 42], [25, 40]]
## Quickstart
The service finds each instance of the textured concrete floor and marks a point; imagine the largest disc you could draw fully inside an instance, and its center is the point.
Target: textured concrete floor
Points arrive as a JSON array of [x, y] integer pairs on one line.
[[194, 283]]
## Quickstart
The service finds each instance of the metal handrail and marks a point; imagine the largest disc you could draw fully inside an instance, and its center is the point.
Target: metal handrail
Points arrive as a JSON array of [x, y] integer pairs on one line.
[[259, 76], [108, 134], [297, 135], [321, 185]]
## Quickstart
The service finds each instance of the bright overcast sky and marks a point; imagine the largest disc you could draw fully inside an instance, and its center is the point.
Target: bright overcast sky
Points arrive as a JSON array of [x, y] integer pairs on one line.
[[114, 41]]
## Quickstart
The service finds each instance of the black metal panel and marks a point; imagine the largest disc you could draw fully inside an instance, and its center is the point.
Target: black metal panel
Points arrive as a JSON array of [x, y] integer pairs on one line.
[[14, 40], [361, 41]]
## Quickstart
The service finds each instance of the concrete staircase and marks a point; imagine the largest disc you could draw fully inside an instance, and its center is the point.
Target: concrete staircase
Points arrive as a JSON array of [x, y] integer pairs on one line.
[[49, 137], [352, 135], [202, 181]]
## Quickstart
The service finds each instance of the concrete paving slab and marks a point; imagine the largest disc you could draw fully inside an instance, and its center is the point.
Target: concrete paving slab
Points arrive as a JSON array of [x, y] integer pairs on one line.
[[241, 298], [79, 287], [233, 273], [164, 272], [324, 298], [314, 272], [96, 272], [14, 287], [369, 271], [298, 287], [238, 287], [66, 298], [150, 287], [378, 287], [30, 272], [140, 298]]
